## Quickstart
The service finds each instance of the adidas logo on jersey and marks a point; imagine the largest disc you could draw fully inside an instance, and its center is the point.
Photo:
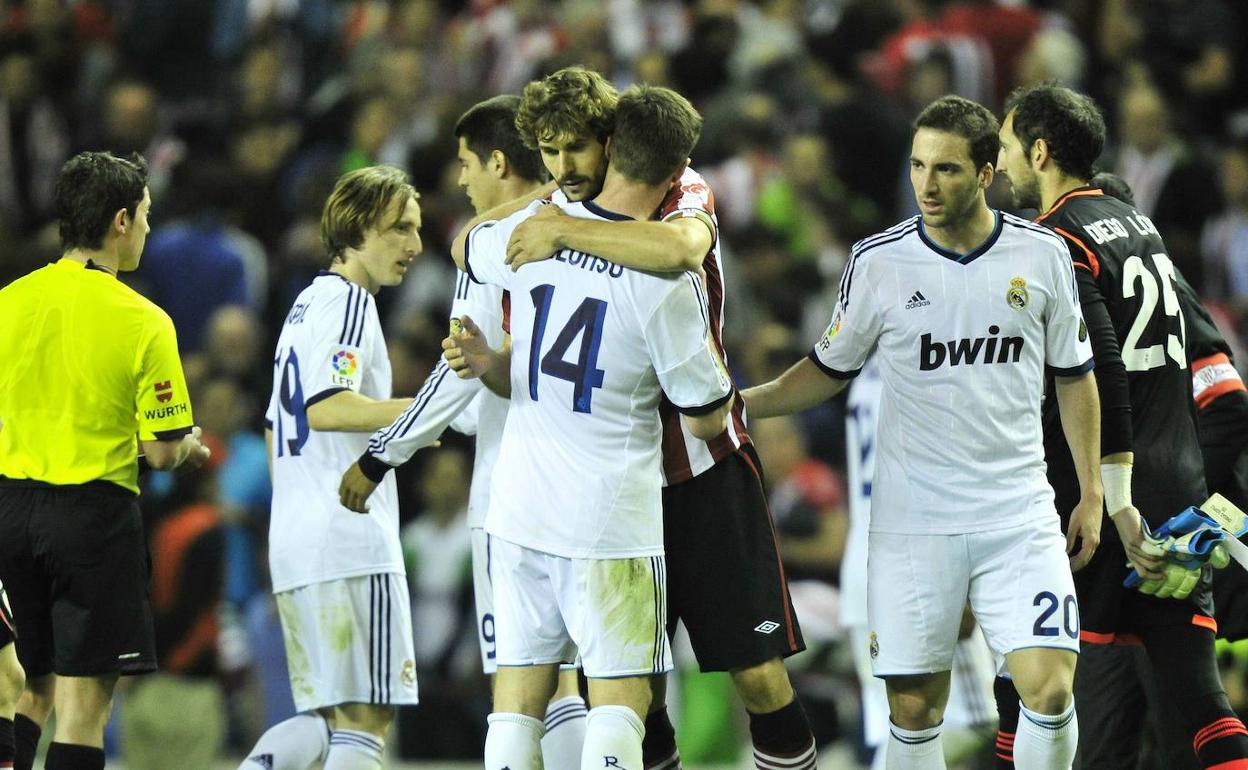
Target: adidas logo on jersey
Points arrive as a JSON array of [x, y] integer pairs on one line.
[[917, 300], [996, 350]]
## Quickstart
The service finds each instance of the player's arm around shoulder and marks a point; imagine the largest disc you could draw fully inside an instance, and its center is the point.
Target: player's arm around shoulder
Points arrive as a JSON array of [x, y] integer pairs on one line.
[[669, 246], [459, 245]]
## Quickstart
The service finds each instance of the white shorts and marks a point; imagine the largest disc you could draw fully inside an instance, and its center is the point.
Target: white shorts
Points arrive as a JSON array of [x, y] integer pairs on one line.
[[546, 608], [349, 641], [1017, 580], [970, 705], [483, 595]]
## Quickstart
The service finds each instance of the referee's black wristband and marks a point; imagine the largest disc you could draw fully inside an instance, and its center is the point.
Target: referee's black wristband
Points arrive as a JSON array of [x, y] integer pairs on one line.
[[373, 469]]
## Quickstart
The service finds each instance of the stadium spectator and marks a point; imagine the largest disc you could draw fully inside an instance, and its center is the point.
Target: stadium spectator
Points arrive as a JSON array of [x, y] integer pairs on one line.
[[34, 138]]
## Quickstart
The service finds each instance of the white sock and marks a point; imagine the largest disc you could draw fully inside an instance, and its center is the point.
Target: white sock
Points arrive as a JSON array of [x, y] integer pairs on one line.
[[1046, 741], [354, 750], [295, 744], [514, 741], [565, 733], [914, 749], [613, 736]]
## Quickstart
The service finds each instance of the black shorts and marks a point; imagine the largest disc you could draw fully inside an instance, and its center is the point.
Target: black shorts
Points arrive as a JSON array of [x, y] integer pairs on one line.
[[75, 564], [725, 580], [1109, 611]]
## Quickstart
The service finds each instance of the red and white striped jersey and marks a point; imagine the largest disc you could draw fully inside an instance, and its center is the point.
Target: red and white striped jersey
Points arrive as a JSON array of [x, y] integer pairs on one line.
[[685, 456]]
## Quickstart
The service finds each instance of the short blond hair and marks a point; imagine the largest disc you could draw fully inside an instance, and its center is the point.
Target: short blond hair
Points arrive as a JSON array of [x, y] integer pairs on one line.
[[359, 201]]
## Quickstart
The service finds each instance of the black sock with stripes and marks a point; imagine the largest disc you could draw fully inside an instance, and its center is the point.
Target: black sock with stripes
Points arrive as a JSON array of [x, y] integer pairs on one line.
[[1007, 727], [26, 737], [72, 756], [658, 748], [783, 739]]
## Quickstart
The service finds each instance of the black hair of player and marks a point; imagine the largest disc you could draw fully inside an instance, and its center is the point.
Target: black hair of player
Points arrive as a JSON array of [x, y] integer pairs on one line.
[[91, 189], [1069, 122], [970, 120], [491, 125], [1114, 186]]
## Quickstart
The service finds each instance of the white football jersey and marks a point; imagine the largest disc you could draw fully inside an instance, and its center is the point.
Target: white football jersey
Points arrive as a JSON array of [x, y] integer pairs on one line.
[[963, 342], [594, 348], [862, 409], [331, 341], [445, 397]]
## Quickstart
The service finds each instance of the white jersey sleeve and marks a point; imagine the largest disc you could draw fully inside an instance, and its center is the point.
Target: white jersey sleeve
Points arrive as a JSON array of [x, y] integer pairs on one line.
[[486, 247], [856, 324], [1068, 351], [341, 349], [444, 397], [678, 338]]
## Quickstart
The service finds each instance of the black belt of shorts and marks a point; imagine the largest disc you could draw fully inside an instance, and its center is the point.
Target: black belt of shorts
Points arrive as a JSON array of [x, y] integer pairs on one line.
[[98, 486]]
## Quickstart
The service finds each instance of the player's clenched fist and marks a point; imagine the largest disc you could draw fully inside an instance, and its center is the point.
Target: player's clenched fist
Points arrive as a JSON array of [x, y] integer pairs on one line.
[[355, 488]]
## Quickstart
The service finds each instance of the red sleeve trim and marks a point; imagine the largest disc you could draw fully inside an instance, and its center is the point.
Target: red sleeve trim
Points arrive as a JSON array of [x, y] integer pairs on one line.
[[1093, 263]]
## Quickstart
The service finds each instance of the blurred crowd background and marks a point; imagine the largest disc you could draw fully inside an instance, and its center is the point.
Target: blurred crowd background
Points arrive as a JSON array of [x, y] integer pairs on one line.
[[247, 111]]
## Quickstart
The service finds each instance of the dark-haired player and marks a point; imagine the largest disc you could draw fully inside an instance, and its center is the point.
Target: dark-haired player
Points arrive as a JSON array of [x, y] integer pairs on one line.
[[1129, 290]]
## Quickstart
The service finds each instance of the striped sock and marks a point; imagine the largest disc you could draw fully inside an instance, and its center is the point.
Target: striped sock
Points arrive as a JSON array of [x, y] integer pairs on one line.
[[1046, 741], [565, 732], [782, 739], [1221, 743], [354, 750], [914, 749], [658, 748], [1007, 720]]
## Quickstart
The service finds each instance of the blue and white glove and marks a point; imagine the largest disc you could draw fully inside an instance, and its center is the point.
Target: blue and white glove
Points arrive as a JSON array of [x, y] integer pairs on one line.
[[1187, 541]]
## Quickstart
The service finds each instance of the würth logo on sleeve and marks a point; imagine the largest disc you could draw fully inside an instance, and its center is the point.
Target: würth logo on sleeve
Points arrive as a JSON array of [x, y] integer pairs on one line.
[[164, 391]]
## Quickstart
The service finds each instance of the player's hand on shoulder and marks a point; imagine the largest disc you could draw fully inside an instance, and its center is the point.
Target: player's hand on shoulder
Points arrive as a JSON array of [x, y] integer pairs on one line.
[[355, 489], [536, 238], [1084, 531]]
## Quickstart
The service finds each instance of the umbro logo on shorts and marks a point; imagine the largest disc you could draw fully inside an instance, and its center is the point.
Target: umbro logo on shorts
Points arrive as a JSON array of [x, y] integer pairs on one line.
[[766, 627], [917, 300]]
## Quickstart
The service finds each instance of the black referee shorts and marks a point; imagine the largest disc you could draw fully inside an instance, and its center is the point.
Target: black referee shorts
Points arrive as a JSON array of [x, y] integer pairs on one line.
[[725, 580], [75, 564]]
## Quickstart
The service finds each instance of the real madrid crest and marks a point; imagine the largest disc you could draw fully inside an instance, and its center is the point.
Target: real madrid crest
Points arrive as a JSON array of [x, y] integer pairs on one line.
[[1017, 295], [875, 646]]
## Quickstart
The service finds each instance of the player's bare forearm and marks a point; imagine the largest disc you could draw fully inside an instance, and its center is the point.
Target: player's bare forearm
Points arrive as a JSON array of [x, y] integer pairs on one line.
[[708, 426], [349, 412], [268, 451], [500, 211], [498, 378], [803, 386], [1080, 410], [662, 247]]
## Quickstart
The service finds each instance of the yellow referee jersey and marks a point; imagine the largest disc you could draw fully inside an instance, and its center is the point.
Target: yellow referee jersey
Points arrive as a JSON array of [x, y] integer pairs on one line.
[[90, 366]]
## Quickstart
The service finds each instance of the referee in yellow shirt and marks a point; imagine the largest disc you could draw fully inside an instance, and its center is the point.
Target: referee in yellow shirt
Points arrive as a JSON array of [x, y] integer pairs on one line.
[[91, 373]]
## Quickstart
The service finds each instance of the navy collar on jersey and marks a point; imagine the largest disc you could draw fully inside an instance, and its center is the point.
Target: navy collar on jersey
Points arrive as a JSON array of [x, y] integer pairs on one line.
[[606, 213], [970, 256]]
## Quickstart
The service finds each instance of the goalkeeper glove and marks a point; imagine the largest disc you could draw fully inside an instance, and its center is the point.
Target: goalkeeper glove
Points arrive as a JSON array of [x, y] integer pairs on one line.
[[1187, 541]]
